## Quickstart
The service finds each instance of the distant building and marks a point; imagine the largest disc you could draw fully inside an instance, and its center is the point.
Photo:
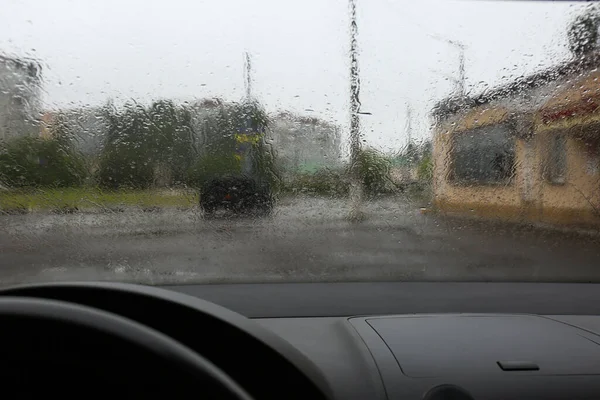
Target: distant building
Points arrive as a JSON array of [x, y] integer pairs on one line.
[[305, 144], [526, 151], [300, 144], [204, 116], [20, 104]]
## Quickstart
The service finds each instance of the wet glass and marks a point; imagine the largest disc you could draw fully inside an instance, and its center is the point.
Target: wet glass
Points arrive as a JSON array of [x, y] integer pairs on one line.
[[184, 141]]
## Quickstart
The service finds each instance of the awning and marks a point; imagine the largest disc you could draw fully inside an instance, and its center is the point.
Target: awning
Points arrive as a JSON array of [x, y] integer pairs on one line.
[[478, 117], [574, 103]]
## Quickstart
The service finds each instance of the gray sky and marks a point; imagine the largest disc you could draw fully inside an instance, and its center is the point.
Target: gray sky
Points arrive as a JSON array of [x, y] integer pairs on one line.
[[186, 49]]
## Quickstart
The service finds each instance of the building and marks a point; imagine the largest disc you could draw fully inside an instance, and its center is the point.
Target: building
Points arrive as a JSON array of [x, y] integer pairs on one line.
[[527, 151], [300, 144], [305, 144], [205, 114], [20, 104]]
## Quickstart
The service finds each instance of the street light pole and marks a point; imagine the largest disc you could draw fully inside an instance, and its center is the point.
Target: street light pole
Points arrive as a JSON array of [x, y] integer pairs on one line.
[[460, 82], [461, 66], [356, 187], [408, 123], [248, 76]]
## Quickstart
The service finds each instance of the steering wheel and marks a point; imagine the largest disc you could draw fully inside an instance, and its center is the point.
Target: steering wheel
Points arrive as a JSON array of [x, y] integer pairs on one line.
[[114, 339], [54, 347]]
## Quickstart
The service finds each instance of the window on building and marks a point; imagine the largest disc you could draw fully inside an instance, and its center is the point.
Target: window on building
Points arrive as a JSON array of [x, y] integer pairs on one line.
[[556, 159], [484, 155]]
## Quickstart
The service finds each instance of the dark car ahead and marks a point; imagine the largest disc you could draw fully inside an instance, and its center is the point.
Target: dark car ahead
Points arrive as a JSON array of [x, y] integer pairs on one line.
[[238, 194]]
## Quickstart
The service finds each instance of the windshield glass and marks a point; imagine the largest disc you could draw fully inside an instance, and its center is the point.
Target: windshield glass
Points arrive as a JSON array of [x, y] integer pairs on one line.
[[343, 140]]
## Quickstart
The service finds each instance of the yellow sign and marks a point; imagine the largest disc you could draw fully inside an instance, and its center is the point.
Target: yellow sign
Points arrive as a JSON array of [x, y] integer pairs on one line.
[[247, 138]]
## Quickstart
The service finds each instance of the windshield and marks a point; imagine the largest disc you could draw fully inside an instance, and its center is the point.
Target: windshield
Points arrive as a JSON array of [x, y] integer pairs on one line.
[[266, 141]]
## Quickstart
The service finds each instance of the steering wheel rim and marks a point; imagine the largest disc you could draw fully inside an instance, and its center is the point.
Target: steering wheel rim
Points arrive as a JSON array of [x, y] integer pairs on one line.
[[229, 340], [27, 311]]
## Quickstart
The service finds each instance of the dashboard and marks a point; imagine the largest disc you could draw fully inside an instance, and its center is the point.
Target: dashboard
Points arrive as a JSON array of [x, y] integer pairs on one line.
[[463, 341], [485, 356]]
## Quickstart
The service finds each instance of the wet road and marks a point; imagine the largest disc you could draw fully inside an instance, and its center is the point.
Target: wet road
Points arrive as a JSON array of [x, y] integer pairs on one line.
[[305, 240]]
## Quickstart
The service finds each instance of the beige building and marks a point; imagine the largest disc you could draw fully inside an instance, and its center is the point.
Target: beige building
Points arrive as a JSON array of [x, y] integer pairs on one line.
[[305, 144], [529, 151], [20, 104]]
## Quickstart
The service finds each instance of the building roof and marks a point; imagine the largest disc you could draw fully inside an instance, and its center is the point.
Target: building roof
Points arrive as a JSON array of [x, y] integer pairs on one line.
[[302, 119], [32, 66], [453, 104]]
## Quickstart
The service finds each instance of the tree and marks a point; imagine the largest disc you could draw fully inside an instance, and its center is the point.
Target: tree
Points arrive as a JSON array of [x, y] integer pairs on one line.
[[43, 162], [144, 144], [216, 147], [60, 131], [126, 157], [425, 167], [413, 153], [374, 172], [173, 140], [583, 32], [251, 118], [37, 162], [221, 138]]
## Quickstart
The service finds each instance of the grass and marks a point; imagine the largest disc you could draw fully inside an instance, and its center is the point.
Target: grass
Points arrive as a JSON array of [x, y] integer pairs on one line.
[[76, 199]]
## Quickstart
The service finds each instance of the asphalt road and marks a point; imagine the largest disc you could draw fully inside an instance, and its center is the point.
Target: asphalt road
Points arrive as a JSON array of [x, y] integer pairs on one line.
[[306, 240]]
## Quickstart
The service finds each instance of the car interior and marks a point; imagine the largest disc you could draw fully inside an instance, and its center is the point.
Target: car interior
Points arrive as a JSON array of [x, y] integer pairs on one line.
[[211, 200], [176, 341]]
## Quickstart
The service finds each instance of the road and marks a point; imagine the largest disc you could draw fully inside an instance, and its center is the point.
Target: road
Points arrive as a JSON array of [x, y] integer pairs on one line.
[[307, 239]]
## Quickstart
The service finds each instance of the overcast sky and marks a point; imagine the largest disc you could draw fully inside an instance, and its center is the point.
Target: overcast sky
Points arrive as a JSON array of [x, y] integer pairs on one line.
[[187, 49]]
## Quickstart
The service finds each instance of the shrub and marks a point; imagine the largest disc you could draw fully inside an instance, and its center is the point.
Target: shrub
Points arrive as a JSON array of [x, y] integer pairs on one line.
[[37, 162], [425, 169], [323, 182], [374, 171], [120, 168], [226, 138]]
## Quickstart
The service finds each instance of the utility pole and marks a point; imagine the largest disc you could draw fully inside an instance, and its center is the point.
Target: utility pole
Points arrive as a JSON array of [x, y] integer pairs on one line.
[[462, 71], [356, 187], [408, 123], [245, 149], [461, 66], [248, 75]]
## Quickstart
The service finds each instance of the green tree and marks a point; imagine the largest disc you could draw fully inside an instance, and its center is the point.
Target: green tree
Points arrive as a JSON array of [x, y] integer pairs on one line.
[[218, 144], [425, 167], [142, 143], [252, 116], [126, 160], [583, 32], [38, 162], [171, 133], [374, 171], [216, 147]]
